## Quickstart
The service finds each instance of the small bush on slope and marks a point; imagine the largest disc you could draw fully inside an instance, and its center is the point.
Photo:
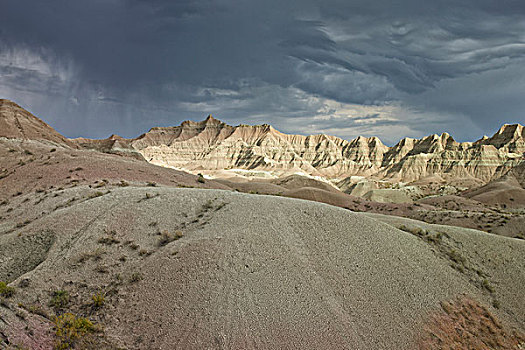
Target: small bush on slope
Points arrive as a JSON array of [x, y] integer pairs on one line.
[[5, 290], [168, 237], [98, 300], [60, 299], [69, 329]]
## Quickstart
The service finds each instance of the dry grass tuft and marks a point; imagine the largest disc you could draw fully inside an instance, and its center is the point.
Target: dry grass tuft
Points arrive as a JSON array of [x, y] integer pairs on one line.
[[98, 300], [167, 237], [136, 277], [465, 324]]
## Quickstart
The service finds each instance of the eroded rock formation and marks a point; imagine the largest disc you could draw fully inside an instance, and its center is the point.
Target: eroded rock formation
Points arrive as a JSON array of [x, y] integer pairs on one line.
[[214, 145]]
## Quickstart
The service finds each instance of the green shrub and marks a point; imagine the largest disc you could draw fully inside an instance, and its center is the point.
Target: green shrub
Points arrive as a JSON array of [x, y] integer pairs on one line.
[[486, 284], [60, 299], [98, 300], [69, 329], [6, 291]]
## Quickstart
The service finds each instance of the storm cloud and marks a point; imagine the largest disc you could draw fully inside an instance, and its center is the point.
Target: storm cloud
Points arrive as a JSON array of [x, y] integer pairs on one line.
[[383, 68]]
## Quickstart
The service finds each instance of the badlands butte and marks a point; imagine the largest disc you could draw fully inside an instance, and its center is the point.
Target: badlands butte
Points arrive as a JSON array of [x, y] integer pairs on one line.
[[209, 236]]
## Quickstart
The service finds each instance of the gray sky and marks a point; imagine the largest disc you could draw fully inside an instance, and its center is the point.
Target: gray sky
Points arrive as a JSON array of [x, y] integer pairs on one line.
[[343, 67]]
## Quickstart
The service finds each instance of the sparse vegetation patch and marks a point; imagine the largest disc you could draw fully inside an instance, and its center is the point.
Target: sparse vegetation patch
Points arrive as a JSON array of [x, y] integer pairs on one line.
[[6, 291], [136, 277], [95, 195], [98, 300], [447, 248], [148, 196], [466, 324], [70, 329], [60, 299], [168, 237], [95, 255], [36, 309], [108, 240]]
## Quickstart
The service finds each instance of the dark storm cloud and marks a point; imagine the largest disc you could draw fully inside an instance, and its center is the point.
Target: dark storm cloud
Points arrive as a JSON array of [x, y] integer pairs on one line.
[[102, 66]]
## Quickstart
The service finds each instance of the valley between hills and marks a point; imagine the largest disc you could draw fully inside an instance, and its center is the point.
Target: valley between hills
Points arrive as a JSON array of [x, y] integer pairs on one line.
[[211, 236]]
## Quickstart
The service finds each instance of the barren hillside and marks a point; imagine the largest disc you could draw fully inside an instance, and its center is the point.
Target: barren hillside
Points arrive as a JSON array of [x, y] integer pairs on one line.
[[192, 268], [101, 249]]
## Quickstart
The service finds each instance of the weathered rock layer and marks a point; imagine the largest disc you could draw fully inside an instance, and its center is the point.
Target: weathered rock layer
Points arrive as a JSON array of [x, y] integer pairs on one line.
[[16, 122], [215, 146]]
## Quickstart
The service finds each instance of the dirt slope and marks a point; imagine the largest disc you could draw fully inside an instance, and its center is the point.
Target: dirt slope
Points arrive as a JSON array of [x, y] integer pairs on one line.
[[37, 166], [478, 256], [504, 191], [295, 182], [16, 122], [253, 186], [246, 272]]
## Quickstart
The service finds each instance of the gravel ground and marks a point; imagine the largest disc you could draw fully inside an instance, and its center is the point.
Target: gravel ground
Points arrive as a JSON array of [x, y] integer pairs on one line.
[[500, 260], [249, 271]]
